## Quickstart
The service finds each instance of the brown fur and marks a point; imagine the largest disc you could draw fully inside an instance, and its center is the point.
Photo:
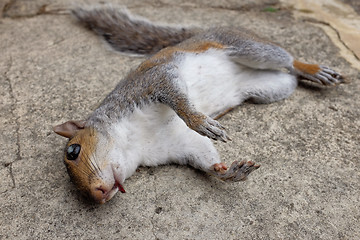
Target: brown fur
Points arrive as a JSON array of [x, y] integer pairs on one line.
[[166, 54], [81, 170], [306, 68]]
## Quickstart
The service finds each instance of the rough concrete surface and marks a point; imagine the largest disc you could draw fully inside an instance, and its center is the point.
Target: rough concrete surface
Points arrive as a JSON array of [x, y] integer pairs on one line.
[[52, 70]]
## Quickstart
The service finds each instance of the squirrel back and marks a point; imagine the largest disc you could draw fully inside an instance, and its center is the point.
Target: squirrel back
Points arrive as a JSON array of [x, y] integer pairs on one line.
[[129, 34]]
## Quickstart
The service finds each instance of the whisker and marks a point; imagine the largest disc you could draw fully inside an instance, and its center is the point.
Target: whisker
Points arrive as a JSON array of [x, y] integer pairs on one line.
[[86, 173], [86, 159], [95, 157], [97, 165]]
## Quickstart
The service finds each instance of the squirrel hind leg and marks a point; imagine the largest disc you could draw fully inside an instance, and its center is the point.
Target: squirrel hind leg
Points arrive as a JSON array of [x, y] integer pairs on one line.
[[238, 171], [318, 73]]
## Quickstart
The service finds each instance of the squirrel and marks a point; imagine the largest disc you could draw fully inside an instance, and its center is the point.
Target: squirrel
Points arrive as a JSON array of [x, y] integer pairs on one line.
[[165, 110]]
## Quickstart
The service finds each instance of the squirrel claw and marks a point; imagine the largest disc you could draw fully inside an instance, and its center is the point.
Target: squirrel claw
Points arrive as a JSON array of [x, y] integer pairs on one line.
[[334, 75], [325, 76], [213, 129], [328, 76], [238, 171]]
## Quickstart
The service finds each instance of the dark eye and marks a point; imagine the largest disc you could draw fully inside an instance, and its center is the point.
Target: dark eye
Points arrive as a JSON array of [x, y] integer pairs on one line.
[[72, 152]]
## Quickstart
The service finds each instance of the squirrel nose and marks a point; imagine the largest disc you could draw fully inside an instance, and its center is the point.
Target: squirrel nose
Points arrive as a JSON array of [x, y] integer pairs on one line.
[[100, 193], [102, 190]]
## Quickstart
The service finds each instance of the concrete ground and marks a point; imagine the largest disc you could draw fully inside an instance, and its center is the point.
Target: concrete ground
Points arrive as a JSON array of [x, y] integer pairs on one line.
[[52, 70]]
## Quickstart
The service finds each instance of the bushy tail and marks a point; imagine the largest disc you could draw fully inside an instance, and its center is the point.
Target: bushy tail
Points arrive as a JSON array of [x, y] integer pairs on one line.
[[127, 33]]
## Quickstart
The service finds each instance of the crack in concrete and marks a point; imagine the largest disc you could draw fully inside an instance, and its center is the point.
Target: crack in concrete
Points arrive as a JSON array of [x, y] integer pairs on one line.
[[315, 21], [339, 21], [41, 11], [16, 118], [7, 6], [12, 175]]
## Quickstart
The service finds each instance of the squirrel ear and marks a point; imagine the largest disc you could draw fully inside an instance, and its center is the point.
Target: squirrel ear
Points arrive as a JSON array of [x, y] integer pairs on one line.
[[69, 128]]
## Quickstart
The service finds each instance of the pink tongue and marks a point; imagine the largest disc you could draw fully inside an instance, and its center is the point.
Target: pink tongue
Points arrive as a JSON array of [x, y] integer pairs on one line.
[[121, 189]]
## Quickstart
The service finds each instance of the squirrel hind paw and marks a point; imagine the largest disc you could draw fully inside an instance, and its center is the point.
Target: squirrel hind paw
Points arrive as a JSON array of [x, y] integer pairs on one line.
[[332, 75], [238, 171], [325, 76]]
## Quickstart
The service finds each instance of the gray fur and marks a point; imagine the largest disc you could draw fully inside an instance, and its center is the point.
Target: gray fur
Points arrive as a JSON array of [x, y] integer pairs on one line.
[[155, 84], [126, 33], [157, 79], [246, 47], [134, 91], [161, 78]]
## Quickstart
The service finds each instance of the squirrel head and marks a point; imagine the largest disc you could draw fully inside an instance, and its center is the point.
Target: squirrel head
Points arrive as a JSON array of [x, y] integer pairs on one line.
[[86, 163]]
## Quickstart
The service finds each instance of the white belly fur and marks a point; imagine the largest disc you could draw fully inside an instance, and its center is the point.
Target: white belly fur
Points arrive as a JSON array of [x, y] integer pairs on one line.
[[216, 83], [155, 135]]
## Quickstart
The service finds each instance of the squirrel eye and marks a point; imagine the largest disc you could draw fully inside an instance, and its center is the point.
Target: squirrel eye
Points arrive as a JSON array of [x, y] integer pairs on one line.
[[72, 152]]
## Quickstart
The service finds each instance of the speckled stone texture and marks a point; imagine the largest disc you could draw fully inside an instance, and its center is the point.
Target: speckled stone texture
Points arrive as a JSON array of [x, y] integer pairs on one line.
[[53, 70]]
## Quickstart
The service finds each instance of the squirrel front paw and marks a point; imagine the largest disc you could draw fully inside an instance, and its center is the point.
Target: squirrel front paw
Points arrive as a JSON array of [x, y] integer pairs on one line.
[[238, 171], [208, 127]]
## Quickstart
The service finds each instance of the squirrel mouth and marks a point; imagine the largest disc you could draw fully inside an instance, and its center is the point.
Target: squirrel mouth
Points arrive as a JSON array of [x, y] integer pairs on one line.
[[117, 183], [117, 187]]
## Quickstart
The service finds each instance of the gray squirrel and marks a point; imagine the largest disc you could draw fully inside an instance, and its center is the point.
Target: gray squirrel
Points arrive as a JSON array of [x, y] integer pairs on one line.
[[164, 110]]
